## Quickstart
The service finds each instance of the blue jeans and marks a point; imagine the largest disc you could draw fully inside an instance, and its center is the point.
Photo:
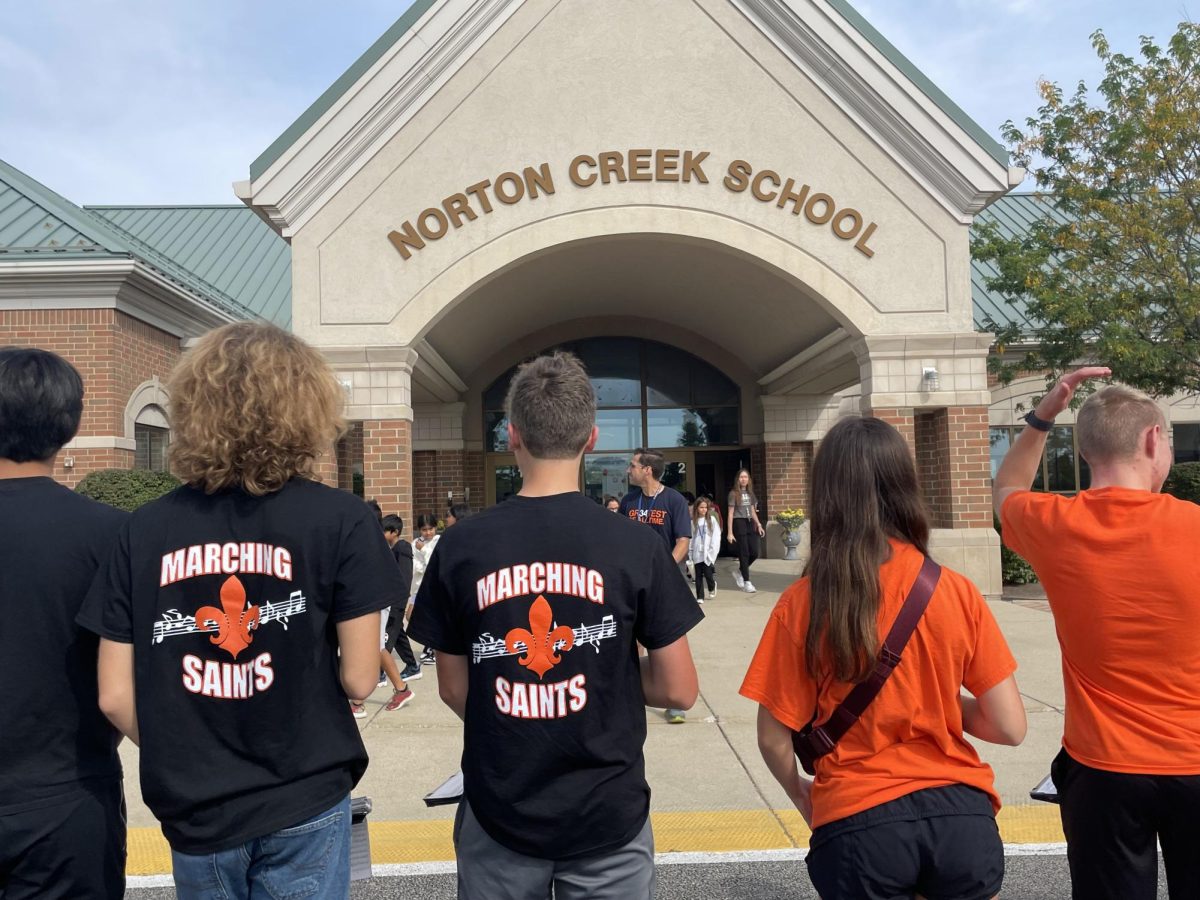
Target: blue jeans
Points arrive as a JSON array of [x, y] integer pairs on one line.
[[309, 859]]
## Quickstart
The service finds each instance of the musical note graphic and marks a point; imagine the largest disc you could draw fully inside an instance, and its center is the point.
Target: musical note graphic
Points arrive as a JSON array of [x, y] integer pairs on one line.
[[174, 622], [488, 647]]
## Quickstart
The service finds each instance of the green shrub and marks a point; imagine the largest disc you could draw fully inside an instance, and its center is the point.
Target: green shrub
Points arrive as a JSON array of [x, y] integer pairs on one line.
[[126, 489], [1184, 481], [1013, 568]]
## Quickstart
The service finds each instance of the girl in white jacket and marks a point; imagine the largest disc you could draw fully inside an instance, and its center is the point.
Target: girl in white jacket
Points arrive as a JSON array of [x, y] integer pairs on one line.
[[706, 543]]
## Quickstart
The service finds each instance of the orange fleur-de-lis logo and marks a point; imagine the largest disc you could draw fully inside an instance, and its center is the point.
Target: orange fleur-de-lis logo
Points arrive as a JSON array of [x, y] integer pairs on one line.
[[540, 655], [233, 622]]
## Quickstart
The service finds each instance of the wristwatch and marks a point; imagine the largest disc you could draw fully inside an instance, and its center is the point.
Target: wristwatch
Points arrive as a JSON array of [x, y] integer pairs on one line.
[[1040, 424]]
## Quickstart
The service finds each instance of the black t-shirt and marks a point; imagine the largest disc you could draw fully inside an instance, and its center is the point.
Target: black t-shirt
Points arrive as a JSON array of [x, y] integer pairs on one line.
[[547, 598], [231, 603], [52, 733], [666, 513]]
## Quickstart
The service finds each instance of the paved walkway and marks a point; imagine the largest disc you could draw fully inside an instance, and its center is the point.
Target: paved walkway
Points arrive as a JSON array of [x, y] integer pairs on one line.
[[711, 791]]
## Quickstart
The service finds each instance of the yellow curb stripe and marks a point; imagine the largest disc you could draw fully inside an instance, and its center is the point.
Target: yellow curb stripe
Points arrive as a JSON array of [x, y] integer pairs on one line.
[[708, 831]]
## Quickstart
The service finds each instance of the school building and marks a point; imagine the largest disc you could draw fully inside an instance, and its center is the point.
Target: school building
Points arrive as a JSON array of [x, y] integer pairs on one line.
[[748, 217]]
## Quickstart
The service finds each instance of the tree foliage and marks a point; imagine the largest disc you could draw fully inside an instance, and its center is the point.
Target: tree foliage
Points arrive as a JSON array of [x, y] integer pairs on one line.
[[1114, 277], [1184, 481], [126, 489]]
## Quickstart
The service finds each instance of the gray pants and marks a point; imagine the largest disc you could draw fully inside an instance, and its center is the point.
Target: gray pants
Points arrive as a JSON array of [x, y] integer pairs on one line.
[[490, 871]]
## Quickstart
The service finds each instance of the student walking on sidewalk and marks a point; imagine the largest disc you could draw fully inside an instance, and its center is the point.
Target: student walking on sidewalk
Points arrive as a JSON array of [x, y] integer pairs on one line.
[[902, 805], [236, 615], [706, 543], [743, 526]]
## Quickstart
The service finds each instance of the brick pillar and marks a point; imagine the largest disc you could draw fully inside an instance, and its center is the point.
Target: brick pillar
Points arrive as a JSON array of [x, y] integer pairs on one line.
[[325, 466], [788, 470], [932, 448], [971, 472], [387, 465]]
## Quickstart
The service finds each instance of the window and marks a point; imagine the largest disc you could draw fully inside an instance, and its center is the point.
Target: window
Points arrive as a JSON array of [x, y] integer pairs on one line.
[[151, 452], [1063, 470], [647, 394], [1187, 442]]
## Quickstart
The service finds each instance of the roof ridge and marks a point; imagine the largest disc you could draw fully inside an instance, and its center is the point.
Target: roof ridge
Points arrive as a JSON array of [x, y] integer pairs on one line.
[[63, 209], [337, 90], [98, 206], [921, 81], [332, 94]]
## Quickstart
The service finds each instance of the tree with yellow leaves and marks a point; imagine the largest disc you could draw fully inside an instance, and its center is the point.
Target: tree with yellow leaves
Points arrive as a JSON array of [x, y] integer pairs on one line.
[[1112, 272]]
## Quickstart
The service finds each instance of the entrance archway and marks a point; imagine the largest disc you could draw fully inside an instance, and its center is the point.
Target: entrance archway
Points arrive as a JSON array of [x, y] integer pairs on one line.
[[649, 394]]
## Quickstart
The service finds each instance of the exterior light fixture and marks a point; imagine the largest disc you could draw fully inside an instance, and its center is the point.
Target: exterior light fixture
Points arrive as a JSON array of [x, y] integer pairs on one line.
[[931, 379]]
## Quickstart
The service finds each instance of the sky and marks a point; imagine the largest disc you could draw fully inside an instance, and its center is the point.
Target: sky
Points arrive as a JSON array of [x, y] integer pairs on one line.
[[168, 101]]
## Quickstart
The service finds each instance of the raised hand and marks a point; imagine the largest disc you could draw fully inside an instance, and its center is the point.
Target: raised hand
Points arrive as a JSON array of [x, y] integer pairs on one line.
[[1059, 397]]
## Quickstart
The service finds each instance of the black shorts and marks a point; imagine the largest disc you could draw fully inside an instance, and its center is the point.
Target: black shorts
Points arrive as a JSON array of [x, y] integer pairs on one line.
[[393, 629], [71, 846], [941, 843], [1112, 820]]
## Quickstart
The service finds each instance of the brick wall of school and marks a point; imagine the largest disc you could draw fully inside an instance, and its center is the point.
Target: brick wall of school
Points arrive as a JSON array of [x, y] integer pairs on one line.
[[388, 465], [425, 489], [950, 447], [439, 473], [788, 467], [114, 353]]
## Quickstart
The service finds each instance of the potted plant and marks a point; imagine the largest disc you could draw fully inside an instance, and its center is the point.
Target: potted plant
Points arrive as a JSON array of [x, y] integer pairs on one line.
[[791, 520]]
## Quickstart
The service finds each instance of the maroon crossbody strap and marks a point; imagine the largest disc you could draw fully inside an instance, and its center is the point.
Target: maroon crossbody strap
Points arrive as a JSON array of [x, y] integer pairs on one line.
[[816, 741]]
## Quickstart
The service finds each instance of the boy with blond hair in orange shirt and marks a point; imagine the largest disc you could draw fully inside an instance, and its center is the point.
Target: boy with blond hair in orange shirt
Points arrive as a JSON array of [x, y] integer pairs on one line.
[[1120, 569]]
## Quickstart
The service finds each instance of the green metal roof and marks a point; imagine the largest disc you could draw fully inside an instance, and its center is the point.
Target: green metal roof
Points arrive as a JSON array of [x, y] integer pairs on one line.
[[36, 221], [373, 54], [229, 249], [334, 92], [1013, 215]]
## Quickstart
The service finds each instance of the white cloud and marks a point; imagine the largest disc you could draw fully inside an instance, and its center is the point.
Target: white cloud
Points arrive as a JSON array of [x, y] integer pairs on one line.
[[160, 101]]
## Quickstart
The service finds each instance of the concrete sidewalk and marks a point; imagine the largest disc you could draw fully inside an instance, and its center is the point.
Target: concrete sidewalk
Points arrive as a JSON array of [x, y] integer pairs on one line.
[[711, 790]]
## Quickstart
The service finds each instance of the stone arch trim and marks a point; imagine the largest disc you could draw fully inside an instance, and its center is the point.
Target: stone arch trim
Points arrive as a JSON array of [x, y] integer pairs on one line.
[[824, 285], [148, 393]]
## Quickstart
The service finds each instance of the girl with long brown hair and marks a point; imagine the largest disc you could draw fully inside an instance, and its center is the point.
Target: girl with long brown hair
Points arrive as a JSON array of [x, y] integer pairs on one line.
[[902, 801], [743, 527]]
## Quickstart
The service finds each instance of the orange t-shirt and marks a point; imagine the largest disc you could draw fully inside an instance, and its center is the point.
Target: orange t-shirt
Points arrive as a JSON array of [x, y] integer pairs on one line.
[[1121, 569], [911, 736]]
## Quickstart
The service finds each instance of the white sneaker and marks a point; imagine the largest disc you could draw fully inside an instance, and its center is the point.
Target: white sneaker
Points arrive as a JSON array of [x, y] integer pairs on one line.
[[737, 578], [749, 588]]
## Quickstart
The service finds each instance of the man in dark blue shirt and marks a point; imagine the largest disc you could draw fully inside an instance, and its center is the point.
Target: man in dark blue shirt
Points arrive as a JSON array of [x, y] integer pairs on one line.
[[665, 510]]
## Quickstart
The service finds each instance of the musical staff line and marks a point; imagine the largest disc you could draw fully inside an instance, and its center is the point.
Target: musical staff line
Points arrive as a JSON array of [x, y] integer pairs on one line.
[[488, 647], [175, 623]]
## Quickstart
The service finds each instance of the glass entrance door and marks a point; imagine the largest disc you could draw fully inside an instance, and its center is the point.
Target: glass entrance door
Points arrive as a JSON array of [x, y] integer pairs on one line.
[[605, 475], [680, 470], [503, 478]]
